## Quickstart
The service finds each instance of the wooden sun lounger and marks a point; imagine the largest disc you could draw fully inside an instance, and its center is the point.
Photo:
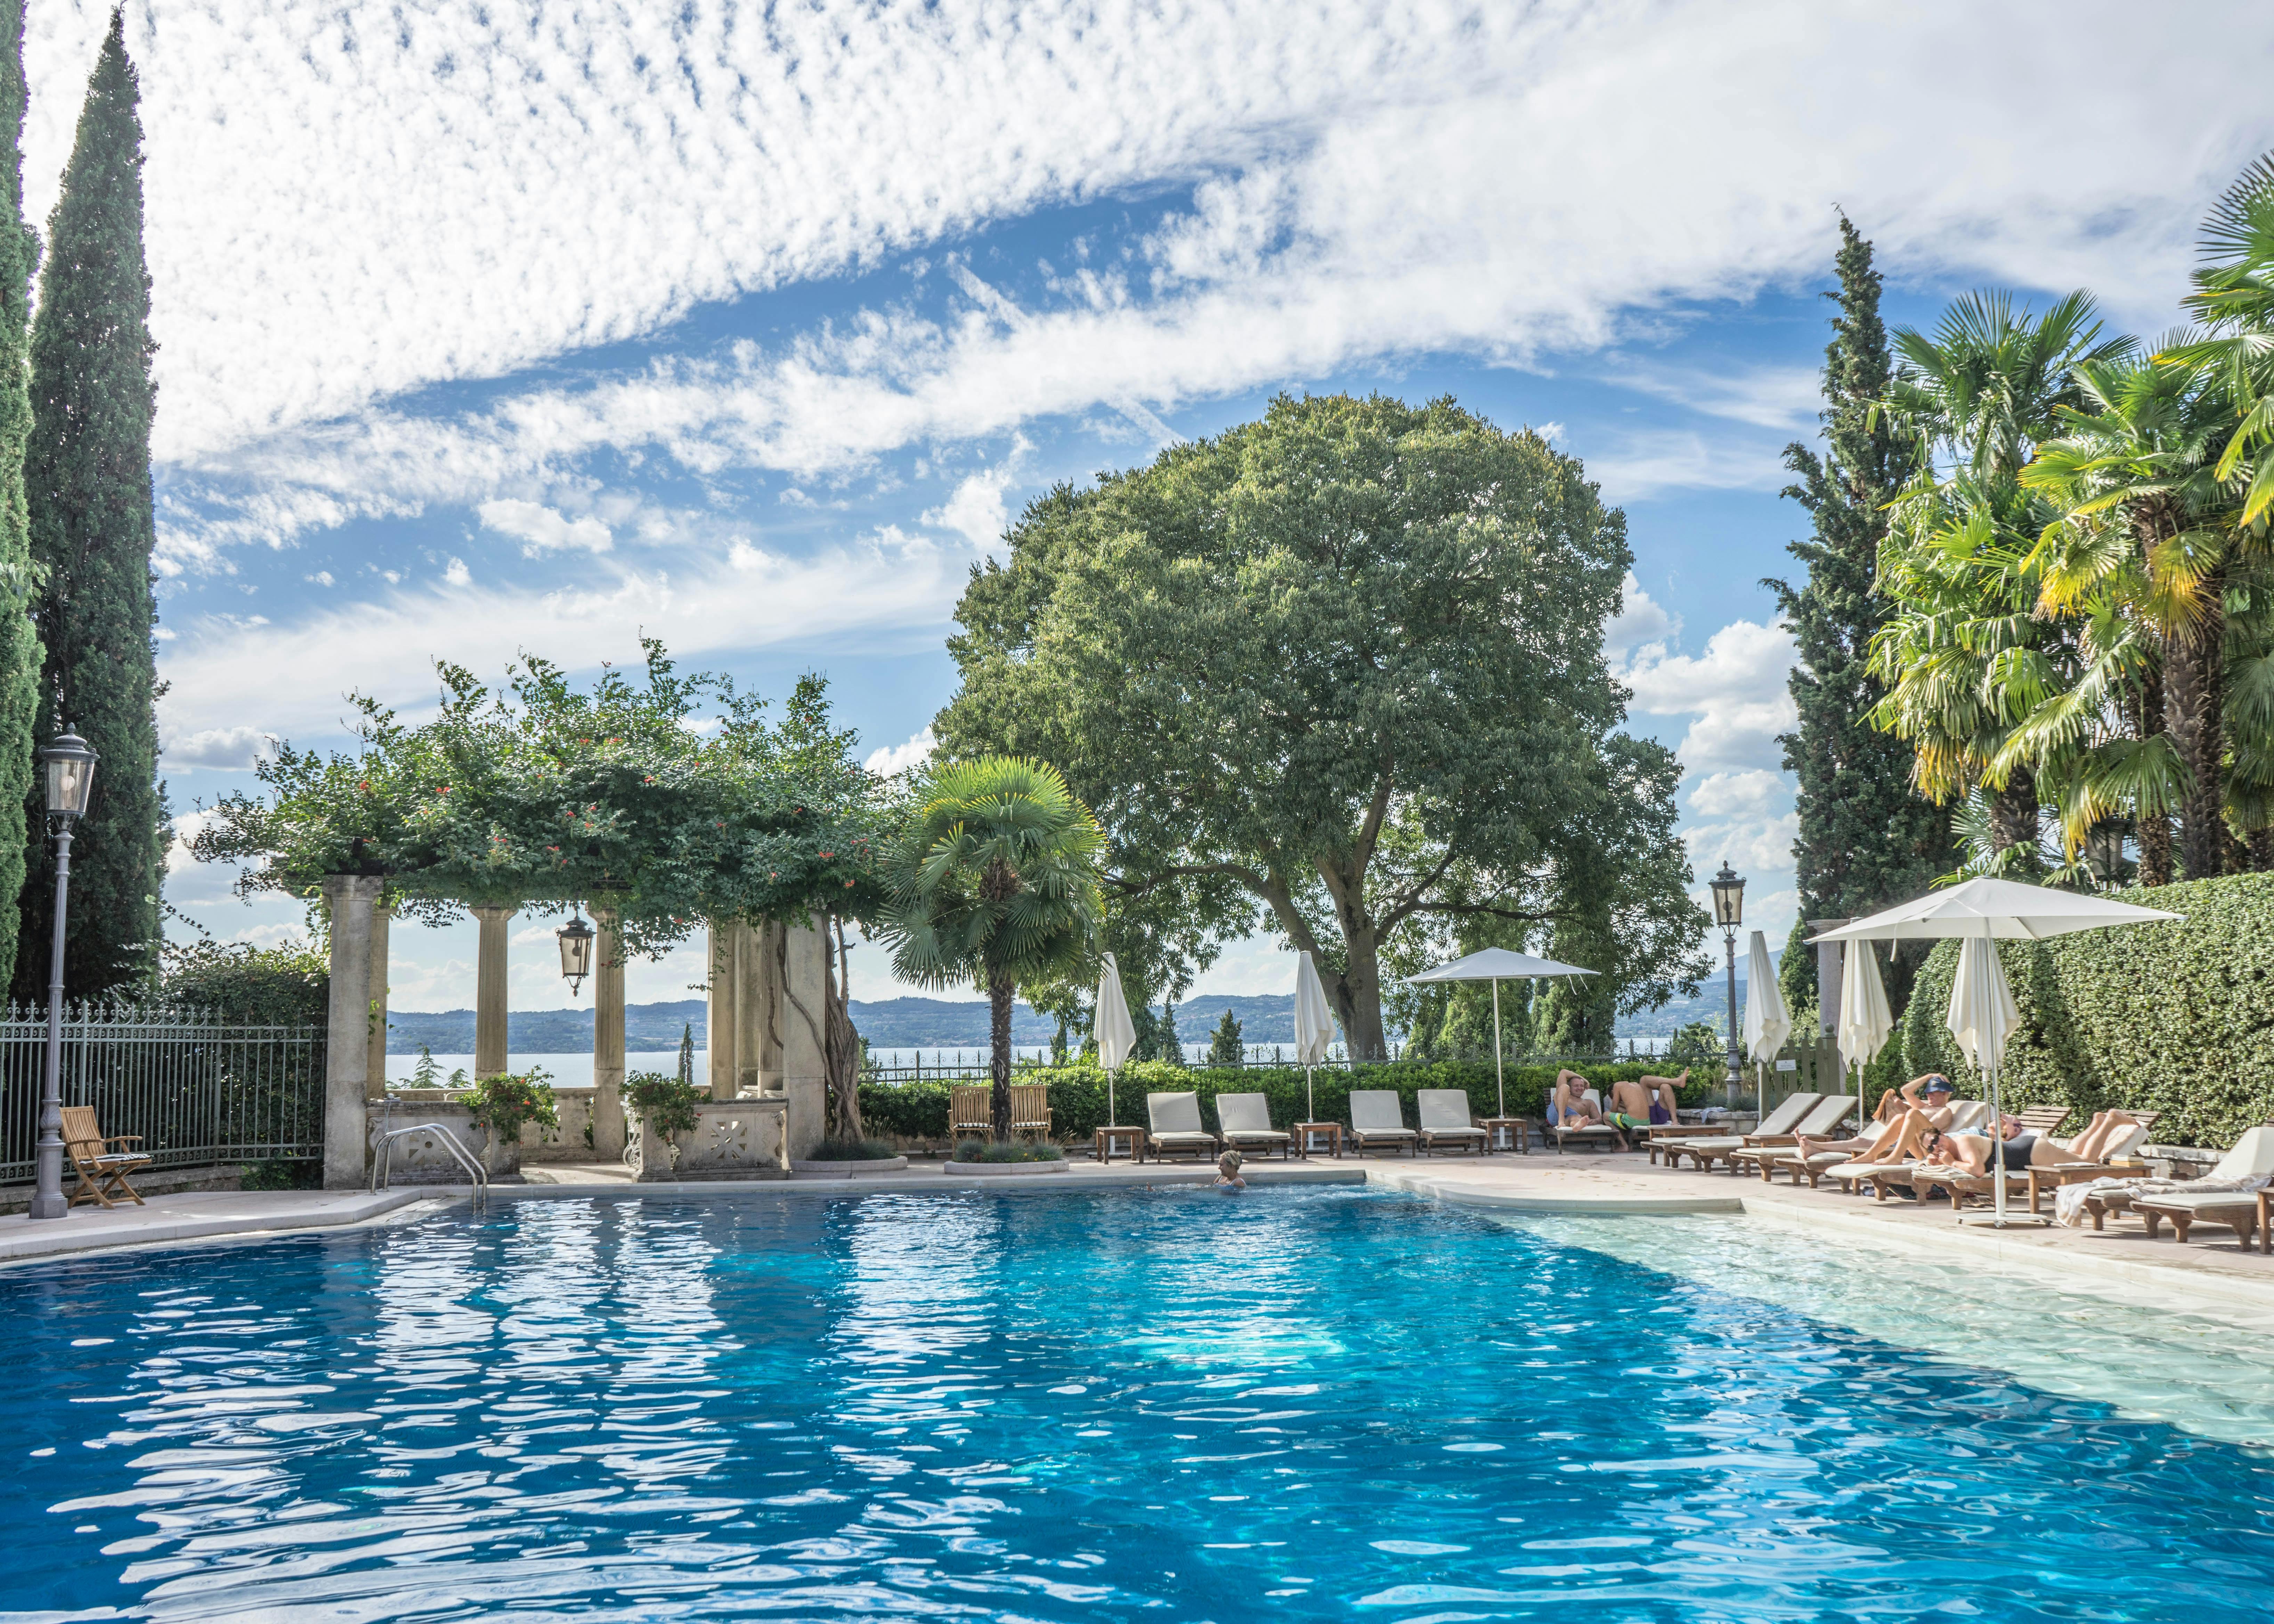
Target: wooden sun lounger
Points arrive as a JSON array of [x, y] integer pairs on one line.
[[1763, 1150], [2233, 1209], [1246, 1119], [1445, 1119], [1175, 1128], [1377, 1119], [101, 1169], [1708, 1148]]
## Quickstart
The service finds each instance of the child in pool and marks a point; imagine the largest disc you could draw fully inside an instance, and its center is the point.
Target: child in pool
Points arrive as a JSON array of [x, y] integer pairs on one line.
[[1227, 1171]]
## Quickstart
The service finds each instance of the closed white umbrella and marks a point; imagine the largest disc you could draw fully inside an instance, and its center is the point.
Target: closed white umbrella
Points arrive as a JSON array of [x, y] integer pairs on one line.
[[1768, 1022], [1493, 964], [1985, 911], [1315, 1026], [1117, 1033], [1865, 1021]]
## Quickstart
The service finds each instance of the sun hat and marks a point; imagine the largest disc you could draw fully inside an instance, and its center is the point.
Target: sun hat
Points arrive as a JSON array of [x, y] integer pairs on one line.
[[1939, 1085]]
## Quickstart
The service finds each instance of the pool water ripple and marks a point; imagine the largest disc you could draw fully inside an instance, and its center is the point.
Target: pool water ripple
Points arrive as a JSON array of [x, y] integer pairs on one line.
[[1301, 1403]]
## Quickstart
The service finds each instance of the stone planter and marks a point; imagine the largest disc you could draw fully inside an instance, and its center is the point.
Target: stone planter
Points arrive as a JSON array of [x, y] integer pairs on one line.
[[733, 1139], [1003, 1169], [848, 1170]]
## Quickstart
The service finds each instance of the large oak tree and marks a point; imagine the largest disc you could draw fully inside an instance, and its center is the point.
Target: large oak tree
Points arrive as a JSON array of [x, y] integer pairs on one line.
[[1342, 667]]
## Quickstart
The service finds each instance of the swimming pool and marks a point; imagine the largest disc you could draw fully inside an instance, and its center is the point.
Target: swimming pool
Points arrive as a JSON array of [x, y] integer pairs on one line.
[[1297, 1403]]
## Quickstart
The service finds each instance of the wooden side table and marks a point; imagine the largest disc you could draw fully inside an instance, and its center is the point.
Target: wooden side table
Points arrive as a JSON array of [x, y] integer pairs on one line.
[[1507, 1133], [1131, 1140], [2266, 1220], [1310, 1136]]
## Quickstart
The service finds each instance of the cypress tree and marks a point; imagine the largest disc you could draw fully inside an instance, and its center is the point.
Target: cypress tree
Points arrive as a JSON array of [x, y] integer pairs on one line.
[[87, 470], [1867, 839], [20, 645]]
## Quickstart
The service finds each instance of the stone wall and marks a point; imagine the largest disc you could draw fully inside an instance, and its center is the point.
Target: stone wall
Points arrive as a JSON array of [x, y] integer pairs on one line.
[[733, 1139]]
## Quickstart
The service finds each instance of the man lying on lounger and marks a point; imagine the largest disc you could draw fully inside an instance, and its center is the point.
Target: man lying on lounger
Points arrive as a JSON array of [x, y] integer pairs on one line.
[[1647, 1103], [1896, 1102], [1904, 1137], [2016, 1150], [1569, 1106]]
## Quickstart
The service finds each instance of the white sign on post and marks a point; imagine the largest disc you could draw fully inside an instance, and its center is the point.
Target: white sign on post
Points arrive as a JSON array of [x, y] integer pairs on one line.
[[1788, 1065]]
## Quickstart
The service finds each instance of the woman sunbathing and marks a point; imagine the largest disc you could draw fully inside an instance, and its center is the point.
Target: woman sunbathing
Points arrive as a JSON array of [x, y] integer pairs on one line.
[[2016, 1150]]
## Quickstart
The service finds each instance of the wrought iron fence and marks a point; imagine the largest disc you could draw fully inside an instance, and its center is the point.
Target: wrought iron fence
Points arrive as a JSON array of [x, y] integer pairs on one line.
[[970, 1065], [198, 1087]]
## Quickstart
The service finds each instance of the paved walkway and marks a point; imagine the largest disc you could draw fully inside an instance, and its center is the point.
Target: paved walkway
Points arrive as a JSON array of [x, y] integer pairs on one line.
[[196, 1215]]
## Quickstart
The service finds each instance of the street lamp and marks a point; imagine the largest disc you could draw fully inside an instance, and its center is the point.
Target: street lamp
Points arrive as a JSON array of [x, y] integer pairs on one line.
[[69, 767], [575, 938], [1729, 912]]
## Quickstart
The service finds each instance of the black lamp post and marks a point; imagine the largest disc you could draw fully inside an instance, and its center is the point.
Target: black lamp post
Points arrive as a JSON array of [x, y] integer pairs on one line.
[[68, 765], [1729, 912], [575, 938]]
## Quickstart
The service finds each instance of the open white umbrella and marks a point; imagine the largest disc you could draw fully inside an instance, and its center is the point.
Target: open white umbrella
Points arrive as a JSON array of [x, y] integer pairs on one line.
[[1315, 1026], [1987, 910], [1865, 1021], [1117, 1033], [1496, 965], [1768, 1022]]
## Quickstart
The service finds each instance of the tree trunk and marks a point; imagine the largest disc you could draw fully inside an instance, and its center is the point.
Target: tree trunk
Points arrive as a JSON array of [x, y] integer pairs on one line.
[[840, 1043], [2193, 708], [2261, 845], [1357, 997], [2152, 830], [2013, 813], [999, 991]]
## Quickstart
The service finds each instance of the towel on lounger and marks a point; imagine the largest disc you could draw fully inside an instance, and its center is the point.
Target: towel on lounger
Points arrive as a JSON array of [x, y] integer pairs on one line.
[[2069, 1199]]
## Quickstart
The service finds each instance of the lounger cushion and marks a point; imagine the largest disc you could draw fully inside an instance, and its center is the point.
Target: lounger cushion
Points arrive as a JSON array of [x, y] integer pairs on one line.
[[1243, 1113], [1376, 1111], [1174, 1113]]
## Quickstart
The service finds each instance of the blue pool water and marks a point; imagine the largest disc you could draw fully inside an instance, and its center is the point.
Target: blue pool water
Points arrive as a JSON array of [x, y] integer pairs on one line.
[[1174, 1405]]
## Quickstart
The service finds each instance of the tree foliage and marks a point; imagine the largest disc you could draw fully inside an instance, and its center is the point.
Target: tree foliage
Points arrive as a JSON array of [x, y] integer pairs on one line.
[[1343, 668], [20, 654]]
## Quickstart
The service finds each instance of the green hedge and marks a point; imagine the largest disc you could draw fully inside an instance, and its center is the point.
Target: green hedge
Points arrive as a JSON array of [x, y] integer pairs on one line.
[[919, 1110], [2173, 1018]]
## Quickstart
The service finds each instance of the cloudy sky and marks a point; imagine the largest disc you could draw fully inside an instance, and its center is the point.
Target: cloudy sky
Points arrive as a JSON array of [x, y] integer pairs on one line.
[[503, 325]]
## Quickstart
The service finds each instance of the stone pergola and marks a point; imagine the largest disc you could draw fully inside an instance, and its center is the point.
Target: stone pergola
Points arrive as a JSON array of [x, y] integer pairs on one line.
[[766, 993]]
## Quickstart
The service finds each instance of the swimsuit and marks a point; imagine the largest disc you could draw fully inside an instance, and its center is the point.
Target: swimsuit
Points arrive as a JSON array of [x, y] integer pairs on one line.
[[1620, 1119], [1660, 1116]]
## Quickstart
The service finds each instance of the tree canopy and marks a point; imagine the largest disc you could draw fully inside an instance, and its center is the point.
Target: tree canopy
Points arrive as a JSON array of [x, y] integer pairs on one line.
[[673, 802], [1344, 667]]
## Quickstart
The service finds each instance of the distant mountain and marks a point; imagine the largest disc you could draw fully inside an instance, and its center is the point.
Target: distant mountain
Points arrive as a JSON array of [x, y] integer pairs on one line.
[[890, 1023]]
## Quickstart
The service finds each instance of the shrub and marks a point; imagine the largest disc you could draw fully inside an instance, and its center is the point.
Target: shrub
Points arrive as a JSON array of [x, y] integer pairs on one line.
[[2173, 1018], [982, 1150], [503, 1103], [664, 1102], [919, 1110], [288, 986], [853, 1150], [277, 1174]]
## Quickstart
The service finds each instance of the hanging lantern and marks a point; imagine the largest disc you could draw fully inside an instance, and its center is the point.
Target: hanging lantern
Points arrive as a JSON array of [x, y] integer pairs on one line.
[[576, 939]]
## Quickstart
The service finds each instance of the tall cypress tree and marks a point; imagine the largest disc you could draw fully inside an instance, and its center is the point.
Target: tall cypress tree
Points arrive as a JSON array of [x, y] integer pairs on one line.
[[19, 644], [1867, 839], [88, 473]]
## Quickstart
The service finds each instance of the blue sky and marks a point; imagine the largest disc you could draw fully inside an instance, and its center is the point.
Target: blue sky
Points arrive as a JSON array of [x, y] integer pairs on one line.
[[512, 326]]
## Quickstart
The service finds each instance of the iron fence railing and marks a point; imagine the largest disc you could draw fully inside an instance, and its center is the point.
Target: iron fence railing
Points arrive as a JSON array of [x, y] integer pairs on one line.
[[965, 1065], [198, 1087]]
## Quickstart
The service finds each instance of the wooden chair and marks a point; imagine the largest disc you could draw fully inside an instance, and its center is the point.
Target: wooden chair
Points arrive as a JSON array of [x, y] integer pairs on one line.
[[102, 1170], [1030, 1109], [969, 1110]]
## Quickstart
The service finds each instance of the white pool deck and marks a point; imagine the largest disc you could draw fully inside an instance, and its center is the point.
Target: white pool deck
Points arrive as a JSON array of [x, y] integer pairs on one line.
[[2213, 1271]]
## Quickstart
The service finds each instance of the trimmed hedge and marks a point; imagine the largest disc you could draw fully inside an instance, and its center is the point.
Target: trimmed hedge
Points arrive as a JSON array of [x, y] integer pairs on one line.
[[919, 1110], [2173, 1018]]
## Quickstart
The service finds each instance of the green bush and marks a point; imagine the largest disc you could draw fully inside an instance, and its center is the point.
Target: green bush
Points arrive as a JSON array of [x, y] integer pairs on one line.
[[664, 1102], [266, 986], [2173, 1018], [919, 1110], [983, 1150], [278, 1174], [504, 1102], [853, 1150]]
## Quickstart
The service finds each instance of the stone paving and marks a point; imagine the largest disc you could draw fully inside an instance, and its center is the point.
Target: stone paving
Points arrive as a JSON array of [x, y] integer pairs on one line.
[[197, 1215]]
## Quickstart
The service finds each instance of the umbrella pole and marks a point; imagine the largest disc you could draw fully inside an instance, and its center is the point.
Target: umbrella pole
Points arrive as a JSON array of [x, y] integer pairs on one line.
[[1112, 1116], [1499, 1076], [1310, 1105]]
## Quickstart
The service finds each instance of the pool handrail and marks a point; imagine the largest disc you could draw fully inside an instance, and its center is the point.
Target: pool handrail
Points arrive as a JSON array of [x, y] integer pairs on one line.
[[382, 1160]]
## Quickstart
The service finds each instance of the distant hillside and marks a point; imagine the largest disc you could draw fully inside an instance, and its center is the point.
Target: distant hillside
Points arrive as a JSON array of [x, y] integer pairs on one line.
[[890, 1023]]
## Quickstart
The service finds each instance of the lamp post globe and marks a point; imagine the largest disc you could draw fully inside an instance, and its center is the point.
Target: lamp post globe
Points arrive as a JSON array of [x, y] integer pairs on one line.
[[1729, 912], [67, 771], [576, 939]]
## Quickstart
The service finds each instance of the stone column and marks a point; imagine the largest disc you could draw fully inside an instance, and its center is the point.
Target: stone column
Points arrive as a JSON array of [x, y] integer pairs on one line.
[[374, 1080], [805, 1068], [490, 992], [758, 1031], [1831, 972], [720, 1001], [607, 1038], [347, 1044]]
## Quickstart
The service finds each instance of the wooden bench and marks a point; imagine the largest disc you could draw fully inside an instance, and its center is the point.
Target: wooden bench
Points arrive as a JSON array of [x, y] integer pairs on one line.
[[102, 1170]]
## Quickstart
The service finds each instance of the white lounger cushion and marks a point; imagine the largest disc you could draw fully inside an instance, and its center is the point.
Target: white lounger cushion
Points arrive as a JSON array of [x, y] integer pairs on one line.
[[1446, 1110], [1245, 1116], [1175, 1113], [1376, 1111], [2252, 1157]]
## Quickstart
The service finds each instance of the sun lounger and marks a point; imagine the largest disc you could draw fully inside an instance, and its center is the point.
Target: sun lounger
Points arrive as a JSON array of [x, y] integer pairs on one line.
[[101, 1167], [1760, 1149], [1376, 1118], [1445, 1120], [1882, 1175], [1705, 1149], [2231, 1209], [1175, 1128], [2243, 1169], [2039, 1119], [1246, 1119]]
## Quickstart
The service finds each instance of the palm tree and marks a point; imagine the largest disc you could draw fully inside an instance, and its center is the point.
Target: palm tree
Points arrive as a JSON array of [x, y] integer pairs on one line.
[[992, 882], [2234, 299]]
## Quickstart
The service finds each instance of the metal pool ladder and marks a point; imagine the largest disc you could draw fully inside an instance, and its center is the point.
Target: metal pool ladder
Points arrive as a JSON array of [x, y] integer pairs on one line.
[[383, 1161]]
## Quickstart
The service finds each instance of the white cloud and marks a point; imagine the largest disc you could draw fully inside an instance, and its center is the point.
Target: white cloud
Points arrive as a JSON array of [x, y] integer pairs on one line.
[[542, 529], [893, 758], [1769, 397], [1725, 793], [1634, 468], [457, 574], [232, 748], [1642, 623], [976, 511], [1735, 690]]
